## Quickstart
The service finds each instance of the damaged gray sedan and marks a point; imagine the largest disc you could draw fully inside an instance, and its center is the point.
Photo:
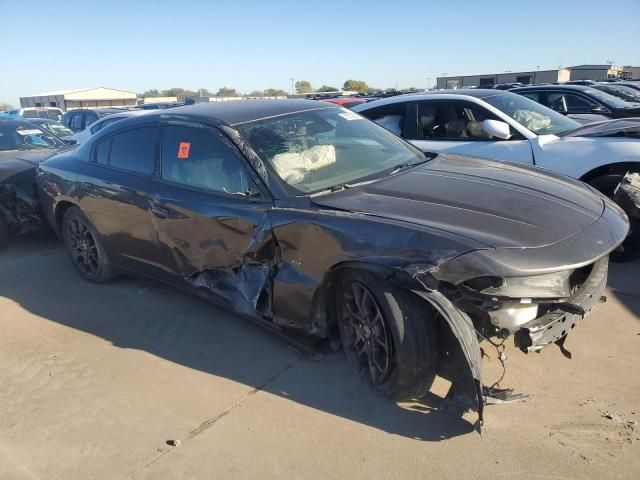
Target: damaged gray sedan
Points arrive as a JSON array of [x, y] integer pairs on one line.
[[329, 230]]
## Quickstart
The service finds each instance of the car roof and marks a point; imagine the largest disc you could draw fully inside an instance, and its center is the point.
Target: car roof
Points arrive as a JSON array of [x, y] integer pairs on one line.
[[235, 112], [577, 88], [461, 92], [99, 110]]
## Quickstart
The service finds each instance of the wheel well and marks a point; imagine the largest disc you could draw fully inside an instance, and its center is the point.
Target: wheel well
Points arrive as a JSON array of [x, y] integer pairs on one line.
[[611, 168], [323, 309], [61, 208]]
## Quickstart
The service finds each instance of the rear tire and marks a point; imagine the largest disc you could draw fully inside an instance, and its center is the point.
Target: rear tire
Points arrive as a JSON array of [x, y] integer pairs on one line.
[[84, 247], [390, 336]]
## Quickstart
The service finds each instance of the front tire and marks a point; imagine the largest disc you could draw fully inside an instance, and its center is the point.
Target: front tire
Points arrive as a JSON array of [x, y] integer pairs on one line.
[[83, 245], [606, 184], [389, 335]]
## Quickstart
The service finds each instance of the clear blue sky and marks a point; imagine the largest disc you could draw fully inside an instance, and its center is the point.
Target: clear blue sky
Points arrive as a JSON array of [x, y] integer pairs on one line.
[[136, 45]]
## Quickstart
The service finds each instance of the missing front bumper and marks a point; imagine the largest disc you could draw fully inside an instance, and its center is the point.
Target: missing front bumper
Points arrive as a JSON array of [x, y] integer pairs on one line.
[[555, 325]]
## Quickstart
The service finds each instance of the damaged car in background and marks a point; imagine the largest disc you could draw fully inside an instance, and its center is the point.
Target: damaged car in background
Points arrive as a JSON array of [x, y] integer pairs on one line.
[[329, 230], [22, 146]]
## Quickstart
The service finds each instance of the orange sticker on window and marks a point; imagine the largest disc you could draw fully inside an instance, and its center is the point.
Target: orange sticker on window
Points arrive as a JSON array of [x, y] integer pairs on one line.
[[183, 149]]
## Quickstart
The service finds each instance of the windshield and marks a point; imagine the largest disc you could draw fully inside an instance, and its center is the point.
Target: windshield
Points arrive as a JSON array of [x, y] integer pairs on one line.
[[532, 115], [18, 135], [58, 129], [320, 149], [608, 99]]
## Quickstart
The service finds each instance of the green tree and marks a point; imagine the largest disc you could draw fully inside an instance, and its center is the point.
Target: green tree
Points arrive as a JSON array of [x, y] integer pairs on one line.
[[205, 92], [227, 92], [5, 106], [274, 92], [327, 88], [151, 93], [256, 93], [303, 86], [359, 86]]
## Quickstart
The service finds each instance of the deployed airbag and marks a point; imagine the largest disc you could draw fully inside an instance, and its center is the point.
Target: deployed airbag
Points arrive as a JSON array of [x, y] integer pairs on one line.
[[294, 167]]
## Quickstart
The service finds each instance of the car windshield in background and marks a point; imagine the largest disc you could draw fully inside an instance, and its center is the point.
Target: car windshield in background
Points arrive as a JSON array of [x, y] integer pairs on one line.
[[321, 149], [58, 129], [25, 136], [532, 115], [608, 99]]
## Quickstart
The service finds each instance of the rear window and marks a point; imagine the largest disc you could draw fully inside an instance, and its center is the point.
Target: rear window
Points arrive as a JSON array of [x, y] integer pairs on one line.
[[135, 150]]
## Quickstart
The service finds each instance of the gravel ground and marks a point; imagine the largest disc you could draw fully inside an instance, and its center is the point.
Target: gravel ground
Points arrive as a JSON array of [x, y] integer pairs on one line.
[[135, 380]]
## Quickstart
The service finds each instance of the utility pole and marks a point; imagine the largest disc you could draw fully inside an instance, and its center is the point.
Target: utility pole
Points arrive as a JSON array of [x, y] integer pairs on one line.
[[292, 92]]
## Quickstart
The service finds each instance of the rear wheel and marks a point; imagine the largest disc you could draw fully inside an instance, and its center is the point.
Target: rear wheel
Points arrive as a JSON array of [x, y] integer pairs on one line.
[[389, 336], [84, 248]]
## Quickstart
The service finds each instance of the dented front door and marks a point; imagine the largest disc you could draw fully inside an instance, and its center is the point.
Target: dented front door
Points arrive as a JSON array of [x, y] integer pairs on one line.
[[211, 233]]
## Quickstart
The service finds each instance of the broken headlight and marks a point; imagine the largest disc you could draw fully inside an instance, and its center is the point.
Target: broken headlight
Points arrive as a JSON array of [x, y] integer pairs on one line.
[[550, 285]]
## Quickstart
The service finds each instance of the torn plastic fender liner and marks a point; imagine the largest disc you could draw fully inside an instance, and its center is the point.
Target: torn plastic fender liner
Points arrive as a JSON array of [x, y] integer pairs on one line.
[[469, 393]]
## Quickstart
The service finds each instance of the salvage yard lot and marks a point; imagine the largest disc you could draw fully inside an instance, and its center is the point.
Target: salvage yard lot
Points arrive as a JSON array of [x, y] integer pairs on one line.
[[96, 379]]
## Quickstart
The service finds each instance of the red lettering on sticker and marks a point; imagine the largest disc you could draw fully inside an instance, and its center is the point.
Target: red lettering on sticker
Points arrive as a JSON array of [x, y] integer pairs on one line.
[[183, 149]]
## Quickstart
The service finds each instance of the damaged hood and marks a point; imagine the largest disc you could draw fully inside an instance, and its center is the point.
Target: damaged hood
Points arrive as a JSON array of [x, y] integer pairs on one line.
[[15, 162], [623, 127], [498, 204]]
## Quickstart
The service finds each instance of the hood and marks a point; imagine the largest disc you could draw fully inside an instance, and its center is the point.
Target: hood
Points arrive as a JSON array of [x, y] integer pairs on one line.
[[498, 204], [623, 127], [14, 162]]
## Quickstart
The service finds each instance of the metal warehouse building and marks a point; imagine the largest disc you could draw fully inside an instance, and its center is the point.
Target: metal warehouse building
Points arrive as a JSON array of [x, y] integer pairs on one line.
[[560, 75], [99, 97]]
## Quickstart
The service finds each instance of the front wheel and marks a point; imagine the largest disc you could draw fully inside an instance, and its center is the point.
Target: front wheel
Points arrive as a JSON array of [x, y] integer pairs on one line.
[[389, 335], [84, 248]]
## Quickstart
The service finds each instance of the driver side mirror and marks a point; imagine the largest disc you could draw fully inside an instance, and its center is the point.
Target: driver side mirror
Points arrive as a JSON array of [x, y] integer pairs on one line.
[[600, 110], [497, 129], [70, 141]]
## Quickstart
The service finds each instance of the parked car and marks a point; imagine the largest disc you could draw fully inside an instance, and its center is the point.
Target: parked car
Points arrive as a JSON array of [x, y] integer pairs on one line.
[[584, 83], [346, 102], [52, 113], [22, 146], [308, 218], [159, 106], [627, 195], [78, 120], [635, 85], [506, 126], [577, 101], [95, 127], [55, 127], [623, 92]]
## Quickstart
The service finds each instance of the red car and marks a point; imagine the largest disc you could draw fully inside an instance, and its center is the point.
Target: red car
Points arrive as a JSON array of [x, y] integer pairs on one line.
[[346, 102]]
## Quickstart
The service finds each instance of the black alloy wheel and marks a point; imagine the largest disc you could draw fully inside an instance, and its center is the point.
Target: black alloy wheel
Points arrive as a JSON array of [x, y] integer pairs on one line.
[[367, 342]]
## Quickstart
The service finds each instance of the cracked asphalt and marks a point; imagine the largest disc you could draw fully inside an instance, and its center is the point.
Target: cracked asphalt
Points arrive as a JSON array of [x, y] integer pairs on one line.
[[134, 380]]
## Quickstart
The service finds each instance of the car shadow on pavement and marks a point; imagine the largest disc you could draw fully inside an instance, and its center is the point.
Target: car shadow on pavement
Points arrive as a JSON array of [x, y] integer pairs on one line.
[[624, 285], [183, 329]]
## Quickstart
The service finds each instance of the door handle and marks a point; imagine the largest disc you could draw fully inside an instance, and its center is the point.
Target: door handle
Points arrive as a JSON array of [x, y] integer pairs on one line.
[[160, 212]]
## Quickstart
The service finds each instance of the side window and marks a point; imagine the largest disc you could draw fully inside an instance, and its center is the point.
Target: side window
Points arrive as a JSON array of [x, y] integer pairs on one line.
[[202, 158], [76, 121], [53, 114], [102, 151], [30, 114], [89, 118], [96, 127], [453, 120], [135, 150], [569, 103], [535, 96], [391, 117]]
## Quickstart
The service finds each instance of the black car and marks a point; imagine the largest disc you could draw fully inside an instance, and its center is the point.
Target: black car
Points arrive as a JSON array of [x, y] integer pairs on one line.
[[78, 120], [22, 146], [623, 92], [310, 219], [577, 101]]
